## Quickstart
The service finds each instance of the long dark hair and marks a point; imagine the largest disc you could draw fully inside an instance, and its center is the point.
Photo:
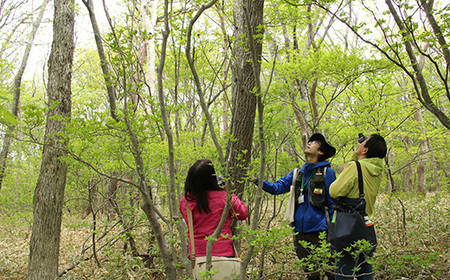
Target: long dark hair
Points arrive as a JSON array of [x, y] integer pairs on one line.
[[201, 177]]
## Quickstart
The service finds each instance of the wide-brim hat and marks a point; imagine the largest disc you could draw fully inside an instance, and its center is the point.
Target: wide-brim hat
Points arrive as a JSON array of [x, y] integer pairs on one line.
[[325, 147]]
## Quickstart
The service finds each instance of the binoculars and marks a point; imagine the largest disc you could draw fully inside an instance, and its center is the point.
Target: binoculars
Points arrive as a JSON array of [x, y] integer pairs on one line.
[[361, 138]]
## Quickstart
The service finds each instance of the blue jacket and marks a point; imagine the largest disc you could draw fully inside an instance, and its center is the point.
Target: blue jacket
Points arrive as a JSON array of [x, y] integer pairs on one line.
[[307, 218]]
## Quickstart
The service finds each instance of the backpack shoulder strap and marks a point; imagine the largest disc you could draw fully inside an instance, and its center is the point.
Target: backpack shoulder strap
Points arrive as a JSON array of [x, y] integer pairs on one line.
[[295, 176], [290, 207], [360, 179]]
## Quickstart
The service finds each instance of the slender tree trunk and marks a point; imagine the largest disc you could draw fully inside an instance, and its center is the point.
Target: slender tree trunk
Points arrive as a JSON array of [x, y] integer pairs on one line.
[[9, 8], [148, 11], [390, 163], [148, 205], [313, 104], [244, 99], [225, 126], [49, 192], [167, 257], [103, 61], [408, 180], [427, 143], [419, 81], [20, 151], [301, 121], [437, 30], [149, 17], [421, 165], [197, 82], [307, 92], [210, 124], [17, 83], [437, 181], [296, 86]]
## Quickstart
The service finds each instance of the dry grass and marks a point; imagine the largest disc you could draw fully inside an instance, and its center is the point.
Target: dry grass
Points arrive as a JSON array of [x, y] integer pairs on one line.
[[413, 237], [14, 251]]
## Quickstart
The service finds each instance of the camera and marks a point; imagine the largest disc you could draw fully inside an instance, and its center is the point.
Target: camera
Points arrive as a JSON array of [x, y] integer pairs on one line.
[[361, 138], [220, 180]]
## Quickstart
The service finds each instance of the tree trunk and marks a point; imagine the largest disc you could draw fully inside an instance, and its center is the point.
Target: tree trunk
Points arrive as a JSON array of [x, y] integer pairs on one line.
[[149, 17], [17, 84], [421, 165], [49, 192], [437, 30], [437, 182], [243, 86], [420, 83], [440, 63], [226, 63], [199, 89], [408, 177], [390, 163], [103, 61], [256, 67], [148, 208]]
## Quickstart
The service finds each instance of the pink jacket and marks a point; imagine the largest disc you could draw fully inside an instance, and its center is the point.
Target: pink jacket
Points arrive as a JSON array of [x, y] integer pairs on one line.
[[206, 223]]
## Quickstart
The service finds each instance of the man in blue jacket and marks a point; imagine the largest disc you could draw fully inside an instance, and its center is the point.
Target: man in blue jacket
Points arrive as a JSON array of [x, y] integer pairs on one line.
[[308, 220]]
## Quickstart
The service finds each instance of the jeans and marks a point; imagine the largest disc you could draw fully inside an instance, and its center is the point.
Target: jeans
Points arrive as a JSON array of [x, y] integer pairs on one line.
[[346, 266]]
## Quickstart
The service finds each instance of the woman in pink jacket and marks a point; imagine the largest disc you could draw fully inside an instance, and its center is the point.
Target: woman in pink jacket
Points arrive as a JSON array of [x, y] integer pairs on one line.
[[206, 199]]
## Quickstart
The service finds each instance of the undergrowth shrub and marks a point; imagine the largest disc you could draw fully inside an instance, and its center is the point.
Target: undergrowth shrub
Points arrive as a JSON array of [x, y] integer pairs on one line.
[[412, 231]]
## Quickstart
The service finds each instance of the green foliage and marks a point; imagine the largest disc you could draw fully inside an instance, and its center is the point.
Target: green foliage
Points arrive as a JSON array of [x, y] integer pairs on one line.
[[411, 232], [5, 115], [413, 265], [355, 91], [272, 244], [320, 257]]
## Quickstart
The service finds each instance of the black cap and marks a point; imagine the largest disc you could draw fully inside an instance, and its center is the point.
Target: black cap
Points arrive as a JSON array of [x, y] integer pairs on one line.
[[325, 147]]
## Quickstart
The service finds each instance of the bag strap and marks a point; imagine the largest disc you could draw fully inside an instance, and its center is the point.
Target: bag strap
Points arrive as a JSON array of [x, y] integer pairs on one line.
[[360, 179], [290, 207], [325, 208], [295, 176], [191, 233]]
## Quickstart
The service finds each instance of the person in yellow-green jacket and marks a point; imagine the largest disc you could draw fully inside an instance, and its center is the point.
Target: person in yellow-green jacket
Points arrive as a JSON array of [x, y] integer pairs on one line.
[[370, 152]]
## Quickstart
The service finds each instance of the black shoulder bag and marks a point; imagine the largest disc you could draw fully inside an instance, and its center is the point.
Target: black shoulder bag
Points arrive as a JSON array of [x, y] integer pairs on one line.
[[351, 222]]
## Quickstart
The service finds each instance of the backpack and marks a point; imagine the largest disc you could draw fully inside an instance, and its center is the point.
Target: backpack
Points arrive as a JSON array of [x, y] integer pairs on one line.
[[317, 192]]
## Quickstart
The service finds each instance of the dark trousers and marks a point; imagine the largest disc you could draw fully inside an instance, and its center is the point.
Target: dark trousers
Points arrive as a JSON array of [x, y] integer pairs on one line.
[[346, 265], [302, 252]]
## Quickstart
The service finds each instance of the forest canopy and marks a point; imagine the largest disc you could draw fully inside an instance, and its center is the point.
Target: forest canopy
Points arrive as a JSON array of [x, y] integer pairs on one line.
[[104, 105]]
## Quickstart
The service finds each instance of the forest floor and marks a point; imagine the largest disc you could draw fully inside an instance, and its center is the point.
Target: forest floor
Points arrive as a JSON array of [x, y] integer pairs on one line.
[[413, 235]]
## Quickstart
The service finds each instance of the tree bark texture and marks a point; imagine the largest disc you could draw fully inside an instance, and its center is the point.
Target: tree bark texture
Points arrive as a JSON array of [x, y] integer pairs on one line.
[[49, 192], [243, 89]]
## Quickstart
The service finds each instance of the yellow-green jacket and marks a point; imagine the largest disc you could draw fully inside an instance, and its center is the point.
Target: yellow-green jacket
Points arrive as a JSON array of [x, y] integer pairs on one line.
[[346, 185]]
